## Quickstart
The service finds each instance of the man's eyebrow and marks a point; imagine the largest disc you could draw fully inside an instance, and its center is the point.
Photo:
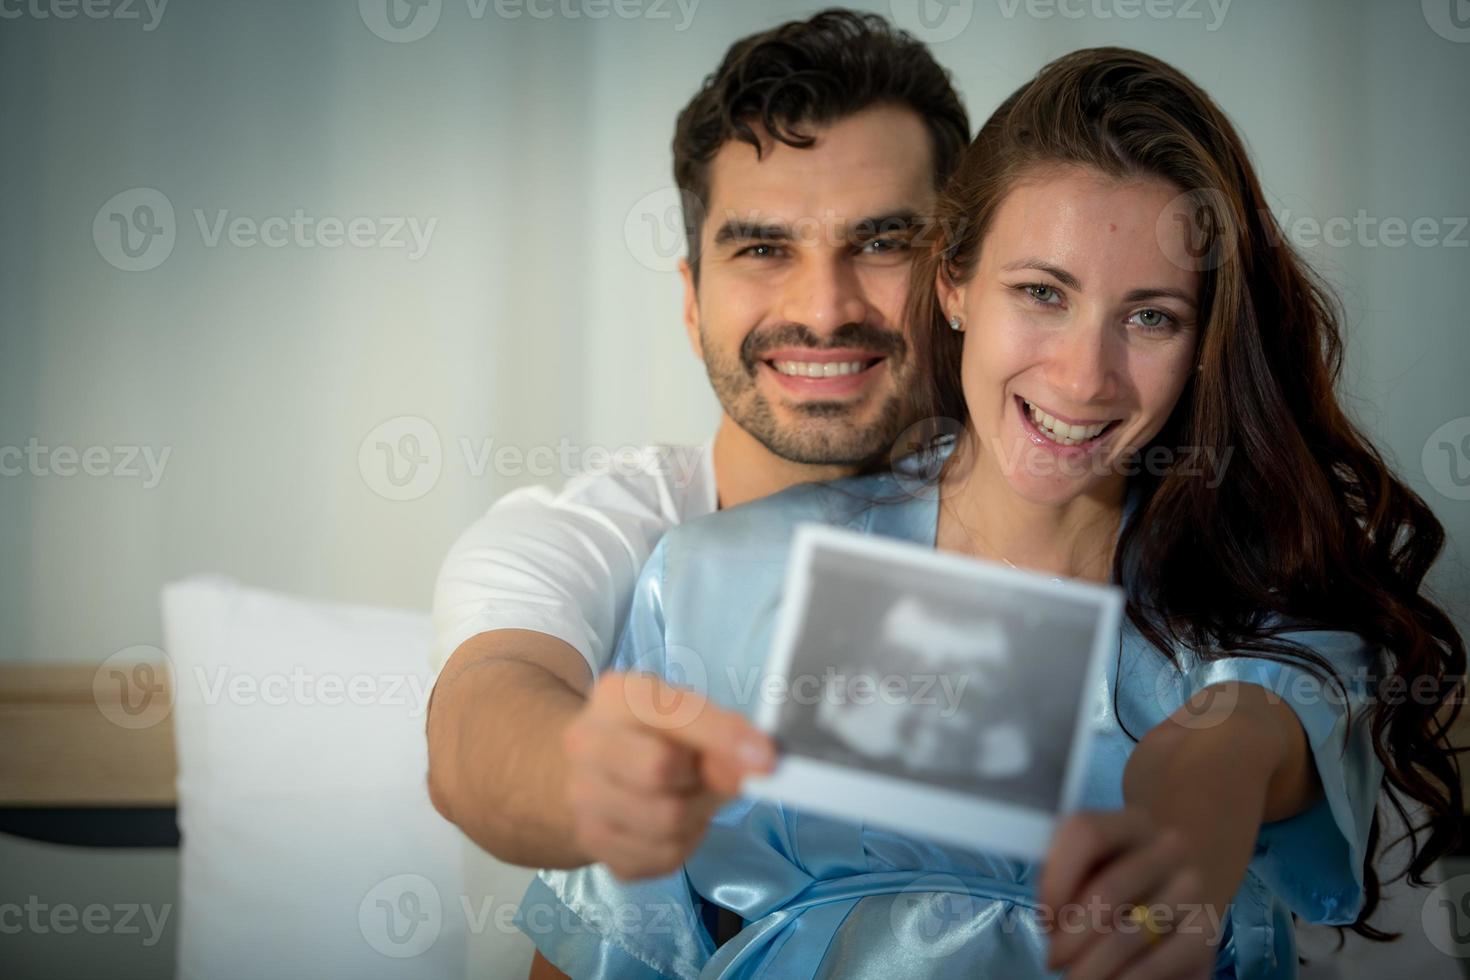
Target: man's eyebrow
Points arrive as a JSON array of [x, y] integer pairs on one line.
[[745, 230], [737, 230]]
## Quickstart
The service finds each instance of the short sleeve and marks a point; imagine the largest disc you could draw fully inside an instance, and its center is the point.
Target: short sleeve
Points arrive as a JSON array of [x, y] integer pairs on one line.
[[1314, 861], [560, 564]]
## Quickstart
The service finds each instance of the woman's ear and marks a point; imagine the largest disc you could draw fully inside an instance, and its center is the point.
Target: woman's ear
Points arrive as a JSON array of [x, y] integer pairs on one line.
[[951, 296]]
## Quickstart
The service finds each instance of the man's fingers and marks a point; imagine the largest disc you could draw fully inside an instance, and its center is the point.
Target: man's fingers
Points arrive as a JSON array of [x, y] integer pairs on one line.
[[647, 761], [690, 719]]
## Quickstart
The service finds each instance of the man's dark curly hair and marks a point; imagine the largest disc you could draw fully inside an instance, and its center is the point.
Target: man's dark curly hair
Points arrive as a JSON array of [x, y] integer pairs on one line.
[[813, 72]]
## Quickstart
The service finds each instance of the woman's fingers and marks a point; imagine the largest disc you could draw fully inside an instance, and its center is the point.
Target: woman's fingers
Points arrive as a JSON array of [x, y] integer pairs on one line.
[[1185, 949], [1081, 843], [1133, 876]]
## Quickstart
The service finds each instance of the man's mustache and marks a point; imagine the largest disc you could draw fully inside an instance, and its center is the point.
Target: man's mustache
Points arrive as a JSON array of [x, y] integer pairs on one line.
[[889, 343]]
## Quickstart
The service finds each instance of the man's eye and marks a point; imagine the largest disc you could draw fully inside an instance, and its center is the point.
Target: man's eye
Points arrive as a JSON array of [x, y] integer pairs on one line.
[[884, 246], [763, 251]]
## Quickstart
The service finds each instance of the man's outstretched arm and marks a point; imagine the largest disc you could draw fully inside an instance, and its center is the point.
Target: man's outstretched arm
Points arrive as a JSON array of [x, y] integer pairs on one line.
[[497, 769]]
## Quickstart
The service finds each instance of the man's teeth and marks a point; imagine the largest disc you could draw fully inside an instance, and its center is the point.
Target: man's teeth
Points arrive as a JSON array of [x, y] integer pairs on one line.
[[1061, 432], [818, 369]]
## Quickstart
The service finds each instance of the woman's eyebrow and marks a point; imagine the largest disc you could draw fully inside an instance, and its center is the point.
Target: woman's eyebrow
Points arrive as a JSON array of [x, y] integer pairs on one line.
[[1160, 292], [1061, 275]]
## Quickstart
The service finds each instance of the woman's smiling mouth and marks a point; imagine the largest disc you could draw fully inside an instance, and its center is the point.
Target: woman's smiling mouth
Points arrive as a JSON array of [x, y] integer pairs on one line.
[[1046, 429]]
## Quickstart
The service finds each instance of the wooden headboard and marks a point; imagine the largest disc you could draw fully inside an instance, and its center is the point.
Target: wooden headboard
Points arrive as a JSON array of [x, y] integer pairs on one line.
[[59, 746]]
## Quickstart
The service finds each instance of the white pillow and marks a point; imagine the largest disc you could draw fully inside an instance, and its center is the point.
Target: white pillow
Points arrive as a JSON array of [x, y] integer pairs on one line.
[[309, 845]]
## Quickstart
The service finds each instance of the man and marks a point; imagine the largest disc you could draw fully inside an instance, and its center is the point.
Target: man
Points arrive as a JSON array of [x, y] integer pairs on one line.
[[807, 161]]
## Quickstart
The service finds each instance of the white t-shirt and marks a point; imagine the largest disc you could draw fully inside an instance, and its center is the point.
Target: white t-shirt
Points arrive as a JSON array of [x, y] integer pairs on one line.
[[565, 563]]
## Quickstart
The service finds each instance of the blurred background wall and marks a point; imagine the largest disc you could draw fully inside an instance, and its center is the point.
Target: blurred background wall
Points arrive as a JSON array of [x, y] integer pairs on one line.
[[370, 244]]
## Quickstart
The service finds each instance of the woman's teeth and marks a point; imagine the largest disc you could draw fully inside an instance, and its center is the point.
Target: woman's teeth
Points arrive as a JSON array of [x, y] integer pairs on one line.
[[1060, 432], [817, 369]]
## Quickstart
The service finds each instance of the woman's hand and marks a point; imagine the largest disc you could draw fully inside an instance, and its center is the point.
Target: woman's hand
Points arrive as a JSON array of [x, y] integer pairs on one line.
[[1103, 864]]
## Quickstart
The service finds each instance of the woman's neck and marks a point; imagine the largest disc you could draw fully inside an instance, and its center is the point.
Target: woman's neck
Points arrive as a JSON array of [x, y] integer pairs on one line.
[[981, 515]]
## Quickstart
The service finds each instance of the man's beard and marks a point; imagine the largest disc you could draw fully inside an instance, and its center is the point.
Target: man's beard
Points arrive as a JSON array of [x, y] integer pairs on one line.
[[824, 432]]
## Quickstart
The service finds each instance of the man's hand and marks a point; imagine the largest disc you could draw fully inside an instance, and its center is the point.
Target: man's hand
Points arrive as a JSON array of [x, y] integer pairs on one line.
[[647, 766]]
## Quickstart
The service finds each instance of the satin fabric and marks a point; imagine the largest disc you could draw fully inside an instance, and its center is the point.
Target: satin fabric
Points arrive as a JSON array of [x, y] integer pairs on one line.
[[828, 898]]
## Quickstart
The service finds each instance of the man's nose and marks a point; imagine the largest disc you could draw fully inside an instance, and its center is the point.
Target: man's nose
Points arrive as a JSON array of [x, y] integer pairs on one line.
[[823, 293]]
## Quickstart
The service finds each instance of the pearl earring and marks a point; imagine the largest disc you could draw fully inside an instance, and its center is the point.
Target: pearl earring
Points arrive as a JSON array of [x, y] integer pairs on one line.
[[956, 324]]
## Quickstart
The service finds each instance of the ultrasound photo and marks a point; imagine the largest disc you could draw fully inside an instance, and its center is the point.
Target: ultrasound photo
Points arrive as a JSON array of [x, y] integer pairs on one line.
[[914, 678]]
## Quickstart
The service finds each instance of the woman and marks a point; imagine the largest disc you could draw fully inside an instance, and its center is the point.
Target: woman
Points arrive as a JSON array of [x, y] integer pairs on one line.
[[1107, 291]]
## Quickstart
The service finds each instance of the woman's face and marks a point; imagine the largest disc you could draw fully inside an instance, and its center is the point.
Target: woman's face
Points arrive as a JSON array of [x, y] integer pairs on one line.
[[1080, 332]]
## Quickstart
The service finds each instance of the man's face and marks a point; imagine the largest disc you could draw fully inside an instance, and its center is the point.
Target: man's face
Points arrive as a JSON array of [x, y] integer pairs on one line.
[[804, 270]]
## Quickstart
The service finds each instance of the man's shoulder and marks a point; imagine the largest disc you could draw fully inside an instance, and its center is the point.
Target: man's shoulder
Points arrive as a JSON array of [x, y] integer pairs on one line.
[[672, 482]]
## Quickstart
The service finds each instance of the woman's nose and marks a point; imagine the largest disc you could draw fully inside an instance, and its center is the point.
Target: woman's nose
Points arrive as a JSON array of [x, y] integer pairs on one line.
[[1082, 365]]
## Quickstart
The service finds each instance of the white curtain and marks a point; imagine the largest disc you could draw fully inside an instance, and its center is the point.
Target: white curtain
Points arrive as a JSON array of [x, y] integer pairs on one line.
[[528, 143]]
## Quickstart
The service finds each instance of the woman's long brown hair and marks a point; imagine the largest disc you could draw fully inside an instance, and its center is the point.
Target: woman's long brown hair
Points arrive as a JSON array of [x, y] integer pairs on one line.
[[1309, 525]]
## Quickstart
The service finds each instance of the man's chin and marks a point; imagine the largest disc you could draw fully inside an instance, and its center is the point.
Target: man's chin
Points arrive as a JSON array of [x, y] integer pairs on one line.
[[828, 441]]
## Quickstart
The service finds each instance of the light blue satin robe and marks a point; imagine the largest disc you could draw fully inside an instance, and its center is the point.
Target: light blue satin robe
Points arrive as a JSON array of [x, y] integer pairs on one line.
[[828, 898]]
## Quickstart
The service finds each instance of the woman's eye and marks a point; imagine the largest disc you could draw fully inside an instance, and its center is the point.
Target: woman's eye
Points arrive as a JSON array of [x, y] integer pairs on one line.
[[1153, 319], [1043, 294]]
